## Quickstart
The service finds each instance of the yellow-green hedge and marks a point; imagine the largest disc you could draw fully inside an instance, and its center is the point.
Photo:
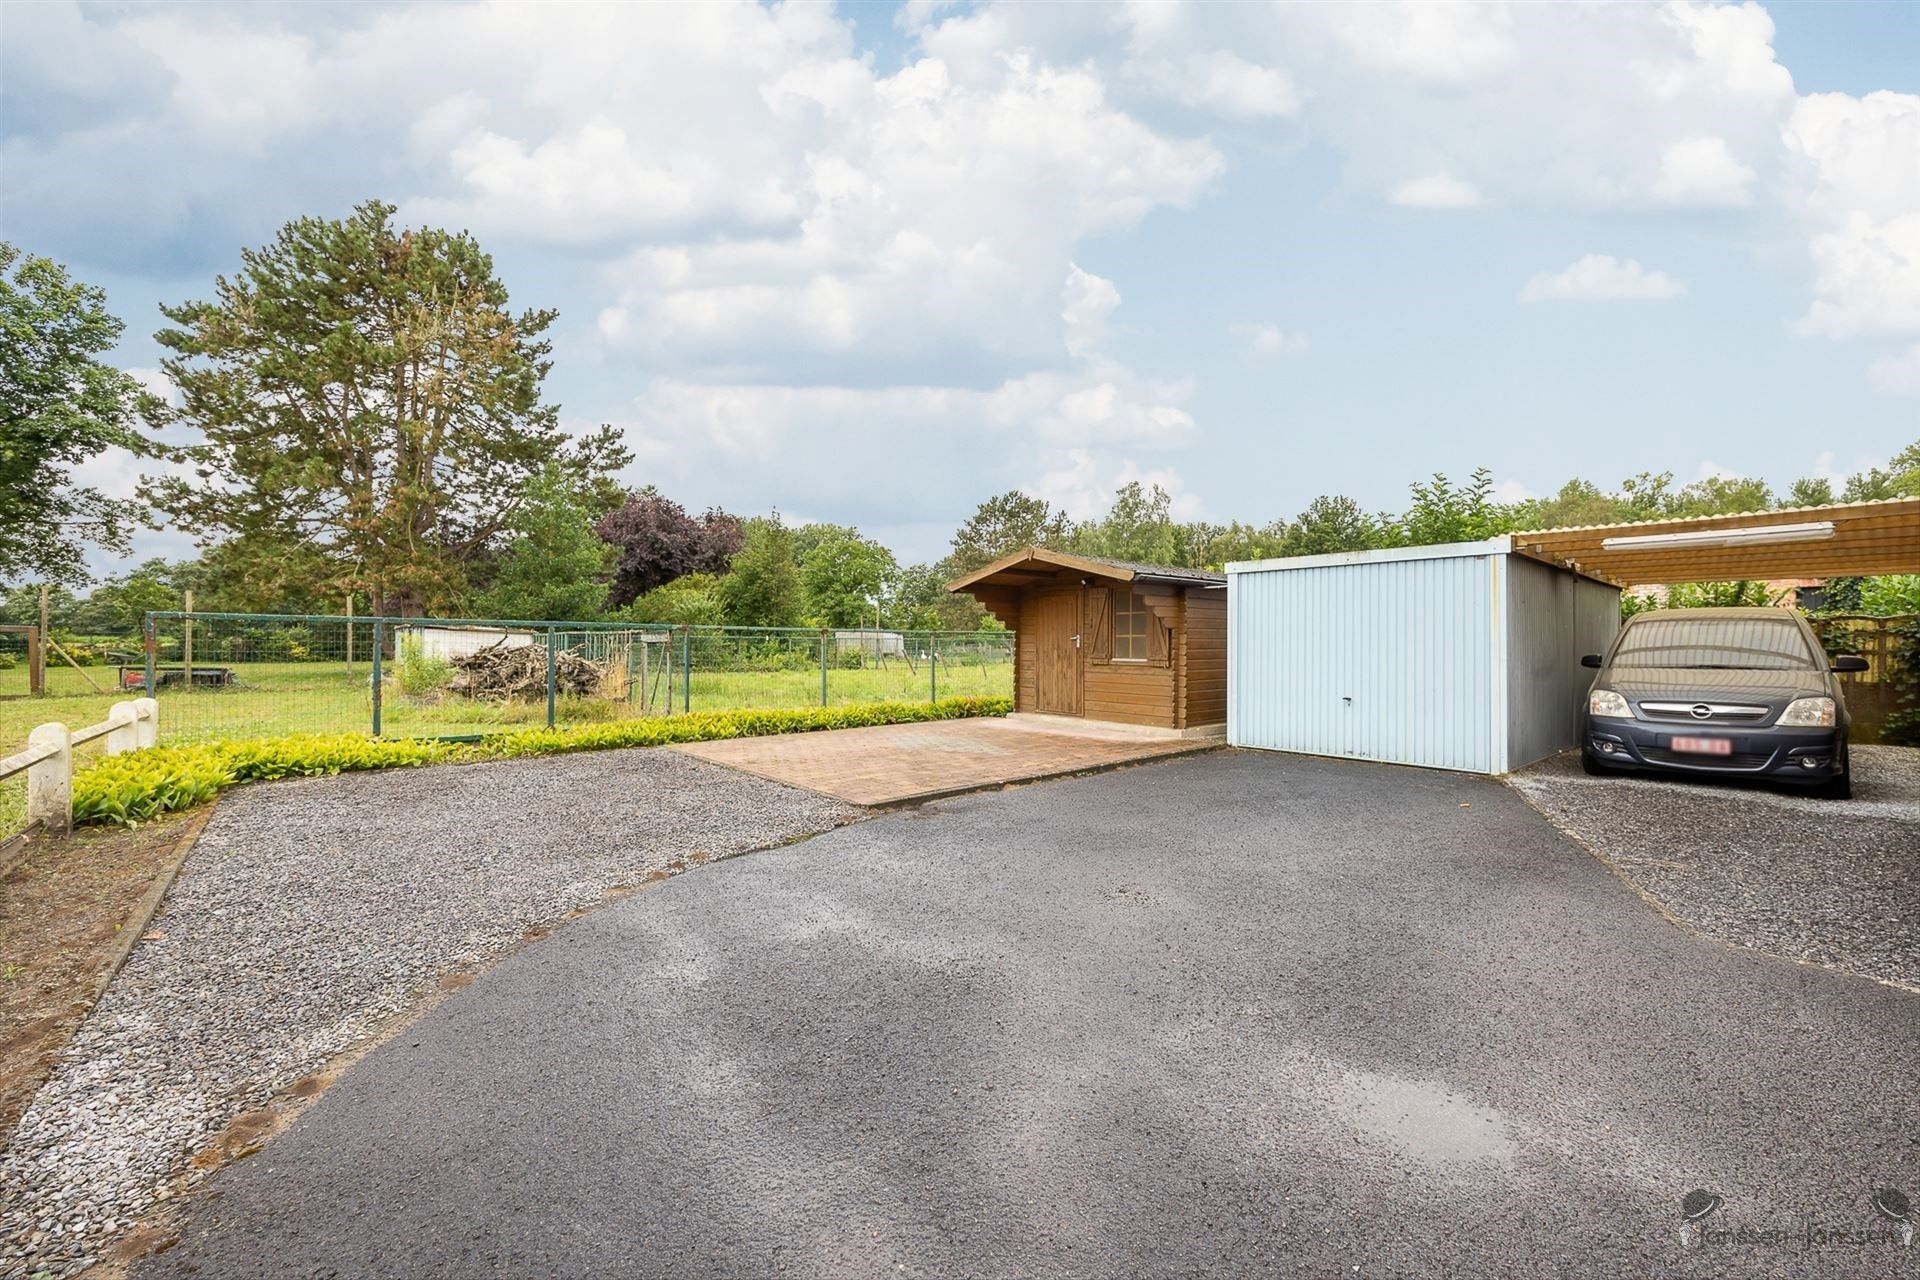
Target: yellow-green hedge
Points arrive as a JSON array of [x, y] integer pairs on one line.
[[141, 785]]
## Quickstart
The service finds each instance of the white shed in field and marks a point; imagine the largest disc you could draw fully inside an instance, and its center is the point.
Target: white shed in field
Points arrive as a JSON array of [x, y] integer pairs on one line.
[[1460, 656], [448, 643], [875, 644]]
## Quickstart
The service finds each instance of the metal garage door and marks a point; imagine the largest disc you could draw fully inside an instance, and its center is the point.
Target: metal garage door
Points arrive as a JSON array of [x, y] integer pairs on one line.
[[1374, 660]]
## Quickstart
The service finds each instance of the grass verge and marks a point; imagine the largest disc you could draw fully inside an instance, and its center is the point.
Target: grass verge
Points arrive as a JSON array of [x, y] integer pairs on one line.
[[143, 785]]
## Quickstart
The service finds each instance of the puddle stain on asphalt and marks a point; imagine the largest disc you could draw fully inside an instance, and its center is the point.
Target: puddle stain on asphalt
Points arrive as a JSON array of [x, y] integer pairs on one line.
[[1420, 1119]]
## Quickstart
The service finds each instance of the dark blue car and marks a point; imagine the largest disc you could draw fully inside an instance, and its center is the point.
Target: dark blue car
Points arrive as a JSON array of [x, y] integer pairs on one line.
[[1738, 693]]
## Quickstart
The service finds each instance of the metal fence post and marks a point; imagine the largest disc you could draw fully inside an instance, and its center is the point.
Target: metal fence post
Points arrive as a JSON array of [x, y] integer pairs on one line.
[[152, 646], [686, 668], [379, 645], [933, 666], [552, 671], [823, 666]]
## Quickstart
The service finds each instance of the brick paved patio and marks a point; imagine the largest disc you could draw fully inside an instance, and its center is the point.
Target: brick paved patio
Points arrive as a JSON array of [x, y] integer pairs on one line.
[[892, 764]]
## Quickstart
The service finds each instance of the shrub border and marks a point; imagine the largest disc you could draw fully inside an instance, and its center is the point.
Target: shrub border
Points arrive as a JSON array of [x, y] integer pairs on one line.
[[142, 785]]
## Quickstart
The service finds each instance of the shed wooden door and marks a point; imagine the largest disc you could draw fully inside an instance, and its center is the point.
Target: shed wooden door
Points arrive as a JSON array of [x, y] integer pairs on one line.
[[1056, 652]]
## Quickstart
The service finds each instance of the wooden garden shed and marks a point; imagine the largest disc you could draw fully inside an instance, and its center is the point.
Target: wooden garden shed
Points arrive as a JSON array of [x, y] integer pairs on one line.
[[1105, 640]]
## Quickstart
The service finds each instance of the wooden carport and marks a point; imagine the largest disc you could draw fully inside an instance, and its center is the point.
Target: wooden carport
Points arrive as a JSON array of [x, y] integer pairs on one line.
[[1838, 540]]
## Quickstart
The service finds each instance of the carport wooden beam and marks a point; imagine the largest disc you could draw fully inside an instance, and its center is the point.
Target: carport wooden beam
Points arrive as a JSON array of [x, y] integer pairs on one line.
[[1866, 538]]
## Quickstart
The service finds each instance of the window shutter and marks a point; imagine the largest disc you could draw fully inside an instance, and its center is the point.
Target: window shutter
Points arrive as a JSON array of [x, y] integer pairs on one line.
[[1099, 637], [1156, 640]]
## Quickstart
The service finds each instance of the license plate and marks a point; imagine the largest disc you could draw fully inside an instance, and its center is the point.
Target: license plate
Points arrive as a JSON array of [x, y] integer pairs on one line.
[[1705, 746]]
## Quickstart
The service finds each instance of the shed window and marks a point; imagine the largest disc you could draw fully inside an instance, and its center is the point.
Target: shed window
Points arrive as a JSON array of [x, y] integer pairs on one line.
[[1129, 627]]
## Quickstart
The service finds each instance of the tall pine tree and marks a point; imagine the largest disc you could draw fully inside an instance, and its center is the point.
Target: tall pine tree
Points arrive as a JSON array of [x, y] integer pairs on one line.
[[364, 392]]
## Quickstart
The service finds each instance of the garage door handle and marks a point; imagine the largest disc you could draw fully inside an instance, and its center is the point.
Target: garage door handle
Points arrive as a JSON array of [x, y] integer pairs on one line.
[[1076, 642]]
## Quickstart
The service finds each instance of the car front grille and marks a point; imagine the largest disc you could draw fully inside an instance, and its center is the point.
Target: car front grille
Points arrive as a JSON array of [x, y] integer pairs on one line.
[[1717, 712], [1738, 760]]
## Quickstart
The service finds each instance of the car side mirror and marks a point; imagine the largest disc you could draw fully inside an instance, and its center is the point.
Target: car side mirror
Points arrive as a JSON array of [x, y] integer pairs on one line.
[[1591, 660], [1850, 662]]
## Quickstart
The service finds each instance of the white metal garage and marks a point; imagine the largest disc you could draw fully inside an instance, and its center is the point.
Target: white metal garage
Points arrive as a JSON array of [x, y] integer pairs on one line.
[[1460, 656]]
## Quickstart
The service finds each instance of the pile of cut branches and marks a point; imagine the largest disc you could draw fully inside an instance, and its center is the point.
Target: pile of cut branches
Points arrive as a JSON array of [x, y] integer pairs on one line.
[[503, 673]]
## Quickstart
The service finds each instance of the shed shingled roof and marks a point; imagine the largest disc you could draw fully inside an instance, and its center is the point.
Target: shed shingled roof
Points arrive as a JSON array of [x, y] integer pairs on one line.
[[1097, 566]]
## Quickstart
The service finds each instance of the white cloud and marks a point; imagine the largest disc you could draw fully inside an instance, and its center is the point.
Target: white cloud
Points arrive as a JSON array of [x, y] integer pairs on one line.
[[1096, 423], [1267, 339], [1827, 467], [939, 220], [1702, 171], [1436, 191], [1867, 275], [1223, 82], [811, 259], [155, 382], [1082, 484], [1600, 277], [1086, 302], [1442, 44], [1606, 107], [1898, 375], [1859, 178]]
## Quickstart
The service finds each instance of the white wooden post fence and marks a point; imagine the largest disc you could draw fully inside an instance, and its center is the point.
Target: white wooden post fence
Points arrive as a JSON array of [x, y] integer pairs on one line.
[[48, 759]]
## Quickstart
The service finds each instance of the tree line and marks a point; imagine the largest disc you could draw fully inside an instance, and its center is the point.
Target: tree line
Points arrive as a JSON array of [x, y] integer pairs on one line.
[[358, 415]]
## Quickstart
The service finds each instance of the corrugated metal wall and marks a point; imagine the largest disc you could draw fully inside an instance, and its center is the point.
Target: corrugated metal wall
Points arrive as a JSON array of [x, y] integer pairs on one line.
[[1552, 618], [1383, 660]]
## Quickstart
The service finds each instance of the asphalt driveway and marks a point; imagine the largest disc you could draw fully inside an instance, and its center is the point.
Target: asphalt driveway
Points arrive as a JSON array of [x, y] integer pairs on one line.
[[1234, 1014]]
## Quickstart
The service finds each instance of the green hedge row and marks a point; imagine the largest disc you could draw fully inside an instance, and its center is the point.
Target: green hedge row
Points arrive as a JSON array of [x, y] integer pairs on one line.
[[145, 784]]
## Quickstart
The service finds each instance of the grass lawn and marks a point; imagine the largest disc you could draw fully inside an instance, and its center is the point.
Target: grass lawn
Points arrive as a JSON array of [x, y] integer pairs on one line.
[[272, 699]]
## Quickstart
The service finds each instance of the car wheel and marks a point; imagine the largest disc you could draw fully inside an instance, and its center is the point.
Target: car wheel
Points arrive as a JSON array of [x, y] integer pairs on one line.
[[1840, 788], [1594, 769]]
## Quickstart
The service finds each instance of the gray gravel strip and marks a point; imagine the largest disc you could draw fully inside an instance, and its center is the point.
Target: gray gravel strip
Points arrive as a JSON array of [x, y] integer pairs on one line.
[[1836, 882], [312, 911]]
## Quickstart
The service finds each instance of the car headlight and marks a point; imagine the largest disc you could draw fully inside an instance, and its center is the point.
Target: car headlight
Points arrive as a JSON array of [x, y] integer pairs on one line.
[[1808, 712], [1605, 702]]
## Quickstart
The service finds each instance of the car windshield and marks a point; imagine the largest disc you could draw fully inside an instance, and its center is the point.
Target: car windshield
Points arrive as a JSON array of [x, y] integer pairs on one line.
[[1736, 644]]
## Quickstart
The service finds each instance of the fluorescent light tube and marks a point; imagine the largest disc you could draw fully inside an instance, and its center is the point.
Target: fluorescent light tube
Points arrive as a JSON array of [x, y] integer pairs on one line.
[[1813, 531]]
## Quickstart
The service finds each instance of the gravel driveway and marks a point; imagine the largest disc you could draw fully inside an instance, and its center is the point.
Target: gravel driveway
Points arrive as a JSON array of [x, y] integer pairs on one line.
[[1231, 1015], [1836, 882], [312, 911]]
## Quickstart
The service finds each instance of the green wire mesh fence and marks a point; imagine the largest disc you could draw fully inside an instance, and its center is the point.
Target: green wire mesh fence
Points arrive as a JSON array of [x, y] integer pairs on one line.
[[223, 675]]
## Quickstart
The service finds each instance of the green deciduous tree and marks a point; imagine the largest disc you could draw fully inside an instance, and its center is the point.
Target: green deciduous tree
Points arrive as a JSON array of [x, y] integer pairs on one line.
[[1442, 511], [556, 566], [1003, 525], [60, 406], [693, 599], [1889, 594], [1720, 496], [762, 586], [1331, 524], [1139, 527], [365, 392], [119, 605], [1214, 546], [1810, 491], [1900, 478], [842, 574], [921, 602], [1578, 502]]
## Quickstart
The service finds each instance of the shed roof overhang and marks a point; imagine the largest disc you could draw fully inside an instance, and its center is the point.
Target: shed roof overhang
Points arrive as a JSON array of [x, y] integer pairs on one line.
[[1842, 539], [1038, 566]]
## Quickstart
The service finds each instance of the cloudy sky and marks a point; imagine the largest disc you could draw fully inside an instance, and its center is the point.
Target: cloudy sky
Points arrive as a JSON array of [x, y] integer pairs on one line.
[[874, 263]]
